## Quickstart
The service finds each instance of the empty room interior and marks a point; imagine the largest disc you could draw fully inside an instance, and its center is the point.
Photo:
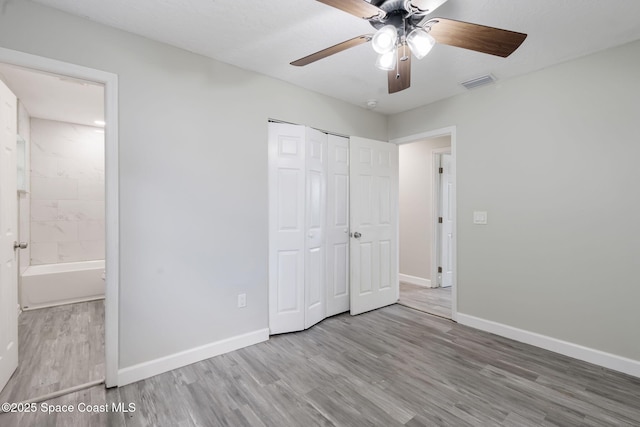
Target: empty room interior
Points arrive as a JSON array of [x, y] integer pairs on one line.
[[319, 212]]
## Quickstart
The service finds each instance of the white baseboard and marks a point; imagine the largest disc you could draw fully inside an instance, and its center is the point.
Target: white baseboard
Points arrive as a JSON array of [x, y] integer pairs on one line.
[[187, 357], [413, 280], [597, 357]]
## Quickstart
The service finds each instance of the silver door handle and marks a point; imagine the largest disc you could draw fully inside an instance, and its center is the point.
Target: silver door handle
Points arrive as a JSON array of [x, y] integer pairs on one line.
[[21, 245], [357, 235]]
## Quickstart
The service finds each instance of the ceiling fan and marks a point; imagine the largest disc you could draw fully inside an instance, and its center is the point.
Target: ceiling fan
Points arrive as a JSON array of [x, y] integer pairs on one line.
[[403, 28]]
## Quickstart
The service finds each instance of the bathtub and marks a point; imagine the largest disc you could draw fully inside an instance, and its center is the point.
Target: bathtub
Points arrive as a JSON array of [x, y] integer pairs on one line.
[[57, 284]]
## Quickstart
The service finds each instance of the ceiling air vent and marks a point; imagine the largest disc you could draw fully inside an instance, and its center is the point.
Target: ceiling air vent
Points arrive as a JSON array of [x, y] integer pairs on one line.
[[480, 81]]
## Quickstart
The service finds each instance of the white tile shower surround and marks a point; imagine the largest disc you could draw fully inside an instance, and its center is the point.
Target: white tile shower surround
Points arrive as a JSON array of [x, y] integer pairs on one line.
[[67, 192], [24, 199]]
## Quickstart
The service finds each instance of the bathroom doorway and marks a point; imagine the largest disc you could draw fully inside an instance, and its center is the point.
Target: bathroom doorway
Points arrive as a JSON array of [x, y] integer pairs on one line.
[[64, 115]]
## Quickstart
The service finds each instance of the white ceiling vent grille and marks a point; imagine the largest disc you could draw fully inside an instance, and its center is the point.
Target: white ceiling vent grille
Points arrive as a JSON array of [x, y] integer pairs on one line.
[[480, 81]]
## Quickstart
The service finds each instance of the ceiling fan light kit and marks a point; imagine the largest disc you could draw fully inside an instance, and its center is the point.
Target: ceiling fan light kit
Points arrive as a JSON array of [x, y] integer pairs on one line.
[[420, 42], [387, 61], [385, 39], [402, 23]]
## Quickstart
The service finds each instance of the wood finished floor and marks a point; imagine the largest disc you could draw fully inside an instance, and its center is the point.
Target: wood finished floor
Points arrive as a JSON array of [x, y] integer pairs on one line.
[[59, 347], [391, 367], [430, 300]]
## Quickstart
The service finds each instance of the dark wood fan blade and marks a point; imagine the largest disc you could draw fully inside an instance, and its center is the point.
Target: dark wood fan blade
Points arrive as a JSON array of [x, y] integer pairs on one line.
[[400, 78], [356, 41], [359, 8], [480, 38]]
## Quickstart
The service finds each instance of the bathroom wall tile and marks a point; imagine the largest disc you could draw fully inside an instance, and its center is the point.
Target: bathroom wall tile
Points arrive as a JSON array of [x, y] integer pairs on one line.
[[80, 210], [91, 230], [54, 231], [44, 253], [44, 210], [56, 139], [24, 199], [92, 144], [53, 188], [70, 251], [52, 146], [80, 251], [67, 192], [93, 249], [44, 166], [91, 190], [72, 168], [24, 209], [24, 122]]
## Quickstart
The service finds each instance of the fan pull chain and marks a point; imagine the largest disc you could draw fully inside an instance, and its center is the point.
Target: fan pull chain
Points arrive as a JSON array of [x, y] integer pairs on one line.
[[397, 64]]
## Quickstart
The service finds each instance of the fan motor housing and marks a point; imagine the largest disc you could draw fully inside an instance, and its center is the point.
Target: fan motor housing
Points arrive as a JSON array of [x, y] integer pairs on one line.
[[396, 15]]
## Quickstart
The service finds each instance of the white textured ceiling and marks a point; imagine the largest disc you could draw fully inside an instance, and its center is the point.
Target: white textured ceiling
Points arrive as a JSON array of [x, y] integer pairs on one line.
[[51, 97], [265, 36]]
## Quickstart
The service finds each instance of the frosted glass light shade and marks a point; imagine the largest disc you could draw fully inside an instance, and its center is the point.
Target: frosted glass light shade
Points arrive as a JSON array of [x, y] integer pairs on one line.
[[420, 42], [387, 61], [384, 40]]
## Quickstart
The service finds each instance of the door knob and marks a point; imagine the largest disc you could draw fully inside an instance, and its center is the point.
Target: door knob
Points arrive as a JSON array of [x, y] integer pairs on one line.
[[21, 245], [357, 235]]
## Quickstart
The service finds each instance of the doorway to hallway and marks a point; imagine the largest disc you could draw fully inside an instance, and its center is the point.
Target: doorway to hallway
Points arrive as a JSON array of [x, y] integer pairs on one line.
[[427, 223]]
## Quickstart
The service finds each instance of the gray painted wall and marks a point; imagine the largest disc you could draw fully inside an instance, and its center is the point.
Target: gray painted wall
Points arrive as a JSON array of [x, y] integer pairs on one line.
[[193, 176], [416, 206], [553, 157]]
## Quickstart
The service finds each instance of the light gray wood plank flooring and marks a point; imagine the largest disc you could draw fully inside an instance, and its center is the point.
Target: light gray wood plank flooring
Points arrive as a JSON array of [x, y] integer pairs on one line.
[[390, 367], [59, 347], [435, 301]]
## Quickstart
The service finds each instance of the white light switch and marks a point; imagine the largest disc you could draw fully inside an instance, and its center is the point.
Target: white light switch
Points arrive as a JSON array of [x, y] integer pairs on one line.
[[242, 300], [480, 217]]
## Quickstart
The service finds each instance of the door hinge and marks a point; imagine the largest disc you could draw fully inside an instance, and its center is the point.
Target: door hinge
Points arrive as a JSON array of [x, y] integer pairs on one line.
[[439, 220], [441, 170], [439, 269]]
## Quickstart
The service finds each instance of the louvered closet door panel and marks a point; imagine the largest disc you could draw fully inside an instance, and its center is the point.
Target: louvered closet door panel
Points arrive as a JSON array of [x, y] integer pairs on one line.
[[337, 225], [287, 227]]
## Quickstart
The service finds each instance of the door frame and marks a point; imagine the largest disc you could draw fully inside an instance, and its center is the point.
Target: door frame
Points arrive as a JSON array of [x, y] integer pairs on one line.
[[451, 132], [112, 218], [436, 209]]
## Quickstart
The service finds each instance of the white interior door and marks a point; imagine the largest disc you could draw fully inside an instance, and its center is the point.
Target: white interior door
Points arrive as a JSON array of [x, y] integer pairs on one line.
[[8, 236], [446, 234], [374, 224], [315, 208], [287, 227], [337, 226]]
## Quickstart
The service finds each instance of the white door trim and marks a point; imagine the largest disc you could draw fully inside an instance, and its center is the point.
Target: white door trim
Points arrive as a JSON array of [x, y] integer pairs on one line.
[[446, 131], [112, 256], [436, 189]]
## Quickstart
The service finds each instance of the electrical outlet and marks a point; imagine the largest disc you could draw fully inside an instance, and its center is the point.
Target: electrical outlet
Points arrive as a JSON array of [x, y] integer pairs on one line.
[[242, 300]]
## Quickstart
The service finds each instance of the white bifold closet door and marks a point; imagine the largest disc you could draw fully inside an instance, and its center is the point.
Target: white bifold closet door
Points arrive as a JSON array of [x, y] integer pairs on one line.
[[298, 267], [338, 226], [315, 204], [321, 188]]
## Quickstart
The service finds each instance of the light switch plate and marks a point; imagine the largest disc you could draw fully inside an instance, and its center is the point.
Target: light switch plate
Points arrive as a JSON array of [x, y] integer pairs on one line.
[[480, 217], [242, 300]]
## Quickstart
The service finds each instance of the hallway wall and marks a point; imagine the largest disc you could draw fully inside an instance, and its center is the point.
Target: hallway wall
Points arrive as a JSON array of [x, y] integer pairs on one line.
[[416, 208]]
